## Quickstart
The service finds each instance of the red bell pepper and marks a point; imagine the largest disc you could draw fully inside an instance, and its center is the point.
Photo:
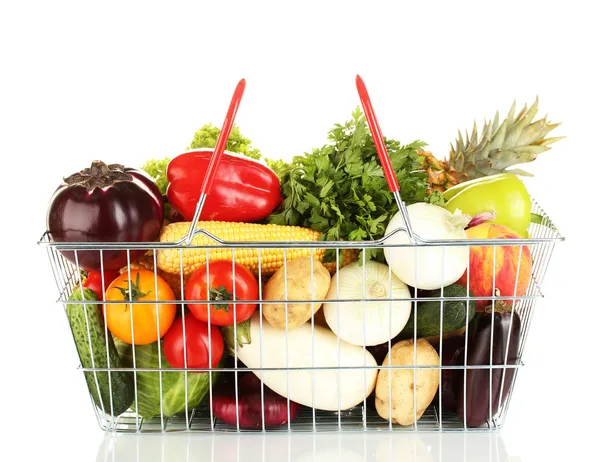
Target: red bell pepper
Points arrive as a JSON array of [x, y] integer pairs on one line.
[[244, 190]]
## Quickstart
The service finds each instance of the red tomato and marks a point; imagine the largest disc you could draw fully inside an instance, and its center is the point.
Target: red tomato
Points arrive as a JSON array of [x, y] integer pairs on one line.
[[94, 281], [220, 287], [196, 342]]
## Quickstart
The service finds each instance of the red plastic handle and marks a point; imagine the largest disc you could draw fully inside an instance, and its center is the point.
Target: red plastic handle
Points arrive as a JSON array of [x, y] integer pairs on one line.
[[384, 157], [215, 159], [223, 137]]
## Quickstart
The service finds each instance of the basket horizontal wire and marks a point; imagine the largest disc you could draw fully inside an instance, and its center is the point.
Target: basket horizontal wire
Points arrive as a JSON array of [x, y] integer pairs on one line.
[[543, 236], [311, 368], [536, 238], [328, 422]]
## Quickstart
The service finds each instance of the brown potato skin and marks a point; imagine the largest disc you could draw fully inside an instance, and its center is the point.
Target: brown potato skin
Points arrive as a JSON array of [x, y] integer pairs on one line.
[[402, 382], [298, 288]]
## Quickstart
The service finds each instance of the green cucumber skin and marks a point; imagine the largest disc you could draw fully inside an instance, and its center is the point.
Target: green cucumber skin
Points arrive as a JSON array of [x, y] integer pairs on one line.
[[428, 313], [122, 383]]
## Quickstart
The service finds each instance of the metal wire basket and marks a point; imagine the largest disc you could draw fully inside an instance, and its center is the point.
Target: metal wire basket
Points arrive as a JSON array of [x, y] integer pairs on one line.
[[363, 415], [314, 386]]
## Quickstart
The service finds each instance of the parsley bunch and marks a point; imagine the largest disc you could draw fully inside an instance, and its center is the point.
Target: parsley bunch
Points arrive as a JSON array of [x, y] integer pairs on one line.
[[340, 189]]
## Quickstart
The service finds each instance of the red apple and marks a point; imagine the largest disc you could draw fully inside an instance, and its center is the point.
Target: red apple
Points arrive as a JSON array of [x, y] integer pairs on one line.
[[507, 262]]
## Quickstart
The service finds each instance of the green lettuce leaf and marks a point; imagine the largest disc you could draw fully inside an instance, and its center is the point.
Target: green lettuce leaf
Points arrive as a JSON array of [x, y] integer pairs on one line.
[[157, 169], [207, 136], [173, 383]]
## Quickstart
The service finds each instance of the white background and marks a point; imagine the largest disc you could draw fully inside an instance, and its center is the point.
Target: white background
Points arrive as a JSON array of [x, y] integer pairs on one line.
[[124, 82]]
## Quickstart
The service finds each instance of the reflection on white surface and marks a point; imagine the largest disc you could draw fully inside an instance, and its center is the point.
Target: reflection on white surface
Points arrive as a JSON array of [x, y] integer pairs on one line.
[[347, 447]]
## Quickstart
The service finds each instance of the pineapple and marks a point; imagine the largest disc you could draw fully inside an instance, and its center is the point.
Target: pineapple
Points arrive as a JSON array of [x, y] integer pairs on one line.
[[517, 140]]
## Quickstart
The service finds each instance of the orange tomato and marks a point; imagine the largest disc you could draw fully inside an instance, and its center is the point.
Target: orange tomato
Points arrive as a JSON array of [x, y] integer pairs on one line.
[[150, 321]]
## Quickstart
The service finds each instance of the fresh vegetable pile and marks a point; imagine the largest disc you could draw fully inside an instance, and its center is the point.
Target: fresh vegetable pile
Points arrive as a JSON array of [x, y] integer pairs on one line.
[[324, 324]]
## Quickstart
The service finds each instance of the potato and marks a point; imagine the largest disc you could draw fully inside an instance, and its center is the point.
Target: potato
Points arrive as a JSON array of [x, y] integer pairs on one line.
[[403, 385], [298, 288]]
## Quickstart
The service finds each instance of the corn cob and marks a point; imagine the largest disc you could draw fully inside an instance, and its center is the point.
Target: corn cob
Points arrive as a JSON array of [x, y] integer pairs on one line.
[[147, 262], [271, 259]]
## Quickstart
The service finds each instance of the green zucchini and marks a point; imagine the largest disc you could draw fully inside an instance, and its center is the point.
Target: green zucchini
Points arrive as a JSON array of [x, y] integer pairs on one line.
[[100, 383], [428, 313]]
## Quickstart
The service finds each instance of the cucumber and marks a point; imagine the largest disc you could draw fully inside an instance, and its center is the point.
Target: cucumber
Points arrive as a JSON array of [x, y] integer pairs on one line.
[[121, 382], [428, 313]]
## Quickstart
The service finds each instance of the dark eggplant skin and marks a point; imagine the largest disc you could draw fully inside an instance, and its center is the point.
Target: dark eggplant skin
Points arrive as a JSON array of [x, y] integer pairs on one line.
[[105, 203], [453, 354], [475, 411]]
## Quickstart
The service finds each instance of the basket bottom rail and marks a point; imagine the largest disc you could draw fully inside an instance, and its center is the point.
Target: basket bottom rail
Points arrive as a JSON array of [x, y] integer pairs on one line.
[[199, 420]]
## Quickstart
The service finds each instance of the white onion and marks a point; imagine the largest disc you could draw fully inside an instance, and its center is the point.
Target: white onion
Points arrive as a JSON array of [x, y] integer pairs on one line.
[[426, 267], [366, 323]]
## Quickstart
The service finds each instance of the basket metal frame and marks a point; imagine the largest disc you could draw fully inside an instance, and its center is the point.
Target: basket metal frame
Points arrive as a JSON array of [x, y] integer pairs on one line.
[[363, 417]]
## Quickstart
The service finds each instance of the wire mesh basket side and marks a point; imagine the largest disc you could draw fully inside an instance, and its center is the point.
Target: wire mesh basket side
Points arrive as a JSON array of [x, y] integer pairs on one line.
[[312, 405]]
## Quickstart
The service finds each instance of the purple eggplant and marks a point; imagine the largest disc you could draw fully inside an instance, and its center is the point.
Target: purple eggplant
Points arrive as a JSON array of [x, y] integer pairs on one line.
[[453, 354], [105, 203], [506, 329]]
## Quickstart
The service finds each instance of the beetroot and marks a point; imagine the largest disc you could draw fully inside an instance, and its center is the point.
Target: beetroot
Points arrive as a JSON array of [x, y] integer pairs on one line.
[[250, 406]]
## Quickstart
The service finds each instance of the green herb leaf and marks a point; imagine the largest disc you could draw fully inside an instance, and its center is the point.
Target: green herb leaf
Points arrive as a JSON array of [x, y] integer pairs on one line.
[[358, 234]]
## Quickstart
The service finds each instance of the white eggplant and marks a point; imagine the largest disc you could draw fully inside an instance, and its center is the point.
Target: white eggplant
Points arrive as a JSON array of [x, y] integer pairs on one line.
[[350, 386]]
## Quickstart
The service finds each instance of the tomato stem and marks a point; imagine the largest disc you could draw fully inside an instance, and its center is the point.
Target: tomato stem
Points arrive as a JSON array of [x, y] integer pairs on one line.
[[221, 294], [136, 292]]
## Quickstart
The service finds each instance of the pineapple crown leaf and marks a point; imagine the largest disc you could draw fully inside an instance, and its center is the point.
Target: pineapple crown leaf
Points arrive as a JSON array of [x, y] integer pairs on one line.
[[496, 122], [547, 141], [511, 113], [460, 140], [502, 144], [498, 138], [536, 149]]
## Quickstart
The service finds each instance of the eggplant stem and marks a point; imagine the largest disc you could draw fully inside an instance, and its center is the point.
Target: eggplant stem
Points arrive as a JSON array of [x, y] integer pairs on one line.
[[501, 306], [99, 175]]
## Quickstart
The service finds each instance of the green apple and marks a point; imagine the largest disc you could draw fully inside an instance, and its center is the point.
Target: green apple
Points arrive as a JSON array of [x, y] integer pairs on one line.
[[503, 193]]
